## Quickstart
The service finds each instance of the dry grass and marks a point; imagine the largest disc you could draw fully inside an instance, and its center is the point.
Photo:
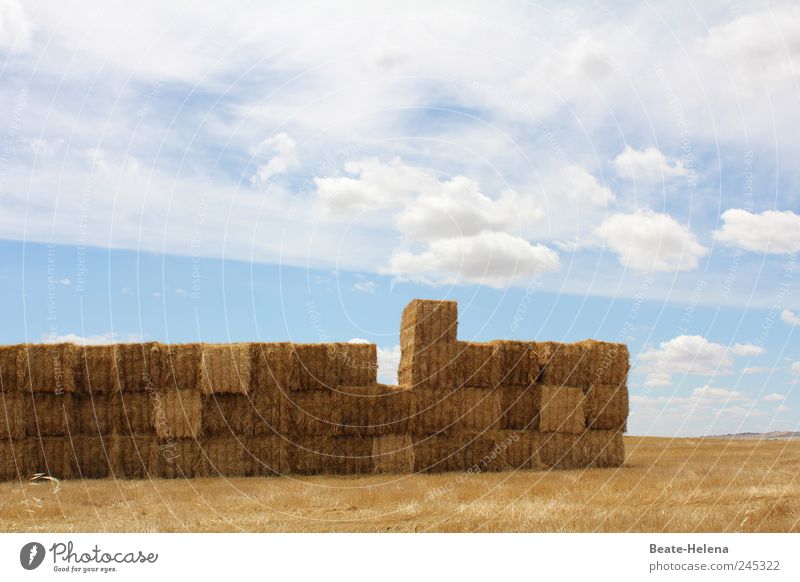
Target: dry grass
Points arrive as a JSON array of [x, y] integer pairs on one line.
[[678, 485]]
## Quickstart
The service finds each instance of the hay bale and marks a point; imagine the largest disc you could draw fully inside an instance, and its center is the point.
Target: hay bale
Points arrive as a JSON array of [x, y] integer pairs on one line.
[[559, 450], [393, 453], [227, 414], [8, 368], [437, 454], [519, 407], [266, 456], [46, 368], [436, 411], [138, 366], [602, 449], [94, 414], [91, 456], [46, 414], [607, 407], [522, 451], [222, 456], [53, 456], [271, 367], [310, 368], [436, 366], [478, 364], [480, 409], [180, 366], [270, 413], [563, 364], [609, 362], [96, 371], [352, 364], [517, 362], [312, 412], [561, 409], [134, 457], [485, 452], [375, 409], [178, 459], [134, 413], [182, 414], [426, 322], [225, 368], [331, 455], [12, 423], [17, 459]]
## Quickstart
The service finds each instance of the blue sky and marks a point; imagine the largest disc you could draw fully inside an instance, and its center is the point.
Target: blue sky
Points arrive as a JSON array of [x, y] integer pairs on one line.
[[253, 172]]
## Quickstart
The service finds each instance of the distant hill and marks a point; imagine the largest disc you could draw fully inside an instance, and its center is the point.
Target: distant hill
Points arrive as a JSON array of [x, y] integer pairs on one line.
[[782, 434]]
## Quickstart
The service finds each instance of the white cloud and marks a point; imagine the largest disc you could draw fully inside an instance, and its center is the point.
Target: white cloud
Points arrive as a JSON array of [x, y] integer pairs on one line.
[[709, 393], [358, 340], [99, 339], [583, 187], [490, 258], [755, 370], [795, 368], [649, 241], [648, 165], [790, 317], [15, 29], [365, 286], [388, 362], [774, 397], [781, 409], [286, 150], [772, 231], [690, 354]]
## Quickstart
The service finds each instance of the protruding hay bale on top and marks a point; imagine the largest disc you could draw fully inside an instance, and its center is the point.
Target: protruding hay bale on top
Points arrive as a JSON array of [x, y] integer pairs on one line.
[[266, 456], [393, 453], [271, 367], [437, 411], [312, 412], [607, 407], [94, 414], [134, 413], [12, 424], [609, 362], [180, 366], [561, 409], [478, 364], [227, 414], [8, 368], [319, 455], [352, 364], [138, 366], [96, 371], [563, 364], [182, 414], [311, 367], [517, 363], [375, 409], [225, 368], [519, 407], [602, 449], [481, 408], [437, 366], [222, 456], [426, 322], [92, 456], [46, 368], [49, 415]]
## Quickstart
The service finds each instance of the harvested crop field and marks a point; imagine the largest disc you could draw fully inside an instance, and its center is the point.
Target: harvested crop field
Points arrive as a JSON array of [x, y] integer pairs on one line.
[[669, 485]]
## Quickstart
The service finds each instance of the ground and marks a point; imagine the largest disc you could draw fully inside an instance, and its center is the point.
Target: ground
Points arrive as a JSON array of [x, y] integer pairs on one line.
[[671, 485]]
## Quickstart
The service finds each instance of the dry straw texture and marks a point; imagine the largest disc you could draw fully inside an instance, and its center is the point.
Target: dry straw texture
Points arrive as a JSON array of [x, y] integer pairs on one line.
[[91, 457], [342, 455], [428, 322], [48, 414], [225, 369], [375, 409], [561, 409], [310, 367], [16, 459], [180, 366], [519, 407], [96, 370], [133, 413], [94, 414], [477, 365], [12, 423], [436, 454], [222, 456], [436, 411], [352, 364], [609, 362], [266, 456], [46, 368], [133, 457], [180, 458], [607, 407], [182, 414], [563, 364], [271, 367], [138, 366], [436, 366], [313, 412], [517, 363], [8, 368], [227, 414], [481, 409], [393, 453]]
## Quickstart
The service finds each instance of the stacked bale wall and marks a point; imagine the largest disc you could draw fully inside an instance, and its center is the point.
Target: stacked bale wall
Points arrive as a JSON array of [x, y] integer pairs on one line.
[[204, 410]]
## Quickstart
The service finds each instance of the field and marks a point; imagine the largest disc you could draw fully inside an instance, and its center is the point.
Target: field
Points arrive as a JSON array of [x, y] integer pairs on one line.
[[669, 485]]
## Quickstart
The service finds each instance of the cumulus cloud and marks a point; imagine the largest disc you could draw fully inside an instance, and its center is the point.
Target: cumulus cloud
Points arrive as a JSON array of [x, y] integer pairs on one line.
[[15, 28], [490, 258], [285, 150], [690, 354], [649, 241], [790, 317], [771, 231], [388, 362], [710, 393], [365, 286], [648, 165], [99, 339], [583, 187], [774, 397]]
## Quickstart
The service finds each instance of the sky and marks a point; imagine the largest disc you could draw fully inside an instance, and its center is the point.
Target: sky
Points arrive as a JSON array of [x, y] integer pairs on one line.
[[299, 171]]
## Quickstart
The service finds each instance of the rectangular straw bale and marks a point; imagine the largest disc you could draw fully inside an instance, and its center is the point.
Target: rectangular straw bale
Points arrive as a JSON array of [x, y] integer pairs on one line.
[[481, 408], [519, 407], [138, 366], [47, 414], [17, 459], [134, 413], [222, 456], [563, 364], [182, 414], [8, 368], [485, 452], [270, 412], [12, 422], [517, 362], [53, 457], [561, 409], [96, 371], [225, 369], [266, 456], [607, 407], [478, 364], [134, 457], [325, 455], [393, 453], [560, 450], [179, 368], [602, 449], [180, 458], [271, 367], [375, 409], [311, 368], [47, 368], [313, 412], [92, 456], [425, 322], [437, 454], [522, 451], [436, 411], [352, 364], [227, 414], [94, 414], [435, 366], [609, 362]]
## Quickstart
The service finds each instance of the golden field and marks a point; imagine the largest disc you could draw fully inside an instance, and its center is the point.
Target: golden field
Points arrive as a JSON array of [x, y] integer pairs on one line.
[[666, 485]]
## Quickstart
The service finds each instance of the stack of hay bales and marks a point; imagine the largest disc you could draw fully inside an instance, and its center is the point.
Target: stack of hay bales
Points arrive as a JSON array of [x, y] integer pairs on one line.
[[207, 410]]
